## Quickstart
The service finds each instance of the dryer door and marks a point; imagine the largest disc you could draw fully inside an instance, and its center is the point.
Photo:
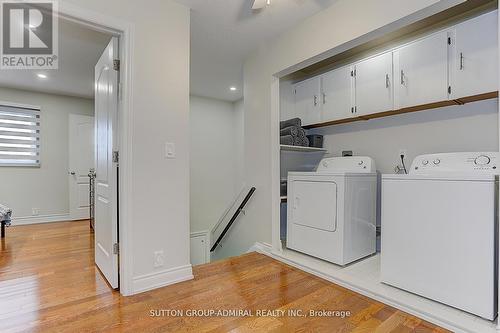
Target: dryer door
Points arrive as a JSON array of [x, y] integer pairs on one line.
[[315, 204]]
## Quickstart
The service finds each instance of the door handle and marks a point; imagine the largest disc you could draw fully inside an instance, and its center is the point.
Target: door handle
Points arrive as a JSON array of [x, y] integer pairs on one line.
[[315, 100], [402, 77], [324, 98], [461, 61], [72, 173], [387, 81], [296, 203]]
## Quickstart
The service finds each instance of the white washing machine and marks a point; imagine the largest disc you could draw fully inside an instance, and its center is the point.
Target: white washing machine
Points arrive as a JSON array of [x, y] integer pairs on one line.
[[332, 212], [439, 230]]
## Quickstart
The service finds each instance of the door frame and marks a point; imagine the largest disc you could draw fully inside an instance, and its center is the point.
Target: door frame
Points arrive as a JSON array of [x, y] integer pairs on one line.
[[124, 30]]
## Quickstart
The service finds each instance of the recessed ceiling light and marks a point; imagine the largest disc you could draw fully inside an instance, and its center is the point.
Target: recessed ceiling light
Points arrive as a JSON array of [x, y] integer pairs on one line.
[[233, 88], [41, 76]]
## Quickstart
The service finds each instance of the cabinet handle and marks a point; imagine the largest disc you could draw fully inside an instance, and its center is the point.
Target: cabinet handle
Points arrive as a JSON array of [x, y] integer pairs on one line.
[[324, 98], [402, 77], [315, 100], [352, 109], [387, 82], [461, 61]]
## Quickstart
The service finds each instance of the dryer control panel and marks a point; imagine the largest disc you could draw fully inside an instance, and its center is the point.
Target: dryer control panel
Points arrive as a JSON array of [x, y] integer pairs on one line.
[[359, 164], [474, 162]]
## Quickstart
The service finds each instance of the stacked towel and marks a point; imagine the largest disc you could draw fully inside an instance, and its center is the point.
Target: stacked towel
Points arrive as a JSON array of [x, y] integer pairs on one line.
[[292, 134], [5, 215]]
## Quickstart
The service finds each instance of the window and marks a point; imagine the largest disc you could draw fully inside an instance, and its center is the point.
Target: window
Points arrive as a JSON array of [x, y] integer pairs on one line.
[[19, 135]]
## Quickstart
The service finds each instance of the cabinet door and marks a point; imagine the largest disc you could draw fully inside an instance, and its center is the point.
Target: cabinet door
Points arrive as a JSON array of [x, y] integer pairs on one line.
[[373, 85], [337, 94], [422, 71], [474, 56], [307, 101]]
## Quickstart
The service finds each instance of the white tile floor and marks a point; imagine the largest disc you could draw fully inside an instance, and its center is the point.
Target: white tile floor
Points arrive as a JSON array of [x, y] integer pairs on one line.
[[363, 277]]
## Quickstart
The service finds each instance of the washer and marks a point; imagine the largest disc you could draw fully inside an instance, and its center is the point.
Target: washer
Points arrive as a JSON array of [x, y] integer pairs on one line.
[[439, 230], [332, 212]]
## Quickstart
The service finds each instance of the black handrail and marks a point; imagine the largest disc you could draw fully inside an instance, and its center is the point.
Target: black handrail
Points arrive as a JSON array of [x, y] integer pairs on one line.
[[235, 216]]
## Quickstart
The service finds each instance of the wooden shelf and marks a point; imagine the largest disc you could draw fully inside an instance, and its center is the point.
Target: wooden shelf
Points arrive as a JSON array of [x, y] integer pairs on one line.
[[460, 101], [302, 149]]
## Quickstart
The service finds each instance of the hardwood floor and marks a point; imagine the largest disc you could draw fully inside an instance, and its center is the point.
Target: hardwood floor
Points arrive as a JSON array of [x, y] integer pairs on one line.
[[48, 283]]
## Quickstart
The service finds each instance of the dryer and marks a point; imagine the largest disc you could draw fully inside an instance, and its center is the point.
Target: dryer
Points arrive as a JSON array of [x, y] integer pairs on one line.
[[439, 230], [332, 212]]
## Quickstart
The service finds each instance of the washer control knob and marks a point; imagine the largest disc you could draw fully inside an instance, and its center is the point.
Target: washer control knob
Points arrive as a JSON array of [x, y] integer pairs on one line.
[[437, 161], [360, 163], [482, 160], [425, 162], [325, 164]]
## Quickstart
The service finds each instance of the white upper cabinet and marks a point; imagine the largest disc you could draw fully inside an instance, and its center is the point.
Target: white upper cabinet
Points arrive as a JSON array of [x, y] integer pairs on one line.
[[421, 71], [307, 101], [374, 85], [474, 56], [337, 95]]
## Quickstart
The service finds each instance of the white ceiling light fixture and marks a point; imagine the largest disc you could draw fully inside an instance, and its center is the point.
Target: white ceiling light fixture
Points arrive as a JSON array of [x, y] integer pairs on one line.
[[259, 4], [41, 76]]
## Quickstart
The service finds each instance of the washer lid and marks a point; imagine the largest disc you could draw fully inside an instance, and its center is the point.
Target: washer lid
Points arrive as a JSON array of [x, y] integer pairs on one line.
[[351, 164], [454, 164]]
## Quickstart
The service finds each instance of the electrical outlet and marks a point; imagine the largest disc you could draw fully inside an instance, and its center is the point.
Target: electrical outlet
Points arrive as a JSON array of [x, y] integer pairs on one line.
[[35, 211], [159, 259]]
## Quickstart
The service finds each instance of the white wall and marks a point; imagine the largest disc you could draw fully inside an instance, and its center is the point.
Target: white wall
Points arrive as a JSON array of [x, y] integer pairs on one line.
[[159, 203], [45, 188], [339, 24], [216, 159], [471, 127]]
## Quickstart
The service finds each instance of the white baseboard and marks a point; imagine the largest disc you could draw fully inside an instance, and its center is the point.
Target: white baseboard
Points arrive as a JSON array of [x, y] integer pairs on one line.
[[261, 247], [161, 279], [25, 220]]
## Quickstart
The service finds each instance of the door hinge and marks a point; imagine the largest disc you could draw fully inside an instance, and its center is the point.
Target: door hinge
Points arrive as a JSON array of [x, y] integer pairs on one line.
[[116, 156], [116, 65], [116, 248], [449, 89]]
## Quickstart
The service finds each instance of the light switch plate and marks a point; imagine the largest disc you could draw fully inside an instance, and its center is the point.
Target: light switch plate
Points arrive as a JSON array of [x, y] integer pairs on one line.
[[169, 150]]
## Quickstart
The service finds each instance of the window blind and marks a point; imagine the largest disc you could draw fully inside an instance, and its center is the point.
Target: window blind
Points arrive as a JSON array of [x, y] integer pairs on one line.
[[19, 136]]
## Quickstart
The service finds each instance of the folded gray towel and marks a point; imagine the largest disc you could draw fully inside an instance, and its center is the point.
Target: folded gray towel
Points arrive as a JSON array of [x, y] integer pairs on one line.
[[287, 140], [291, 122], [5, 215], [291, 140], [290, 130]]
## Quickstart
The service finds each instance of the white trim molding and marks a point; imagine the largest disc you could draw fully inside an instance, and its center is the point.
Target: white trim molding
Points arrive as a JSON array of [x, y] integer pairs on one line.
[[162, 278], [25, 220], [206, 235], [260, 247]]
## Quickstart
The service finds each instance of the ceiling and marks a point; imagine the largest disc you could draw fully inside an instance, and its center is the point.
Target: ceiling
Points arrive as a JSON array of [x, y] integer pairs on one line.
[[225, 32], [79, 51]]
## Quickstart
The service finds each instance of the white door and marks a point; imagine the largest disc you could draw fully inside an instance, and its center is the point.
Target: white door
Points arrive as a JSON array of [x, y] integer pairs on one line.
[[373, 85], [474, 56], [337, 94], [421, 71], [81, 160], [315, 204], [106, 203], [307, 103]]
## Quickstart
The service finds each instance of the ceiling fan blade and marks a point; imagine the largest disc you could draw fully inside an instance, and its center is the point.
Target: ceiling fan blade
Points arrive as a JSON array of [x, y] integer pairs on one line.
[[258, 4]]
